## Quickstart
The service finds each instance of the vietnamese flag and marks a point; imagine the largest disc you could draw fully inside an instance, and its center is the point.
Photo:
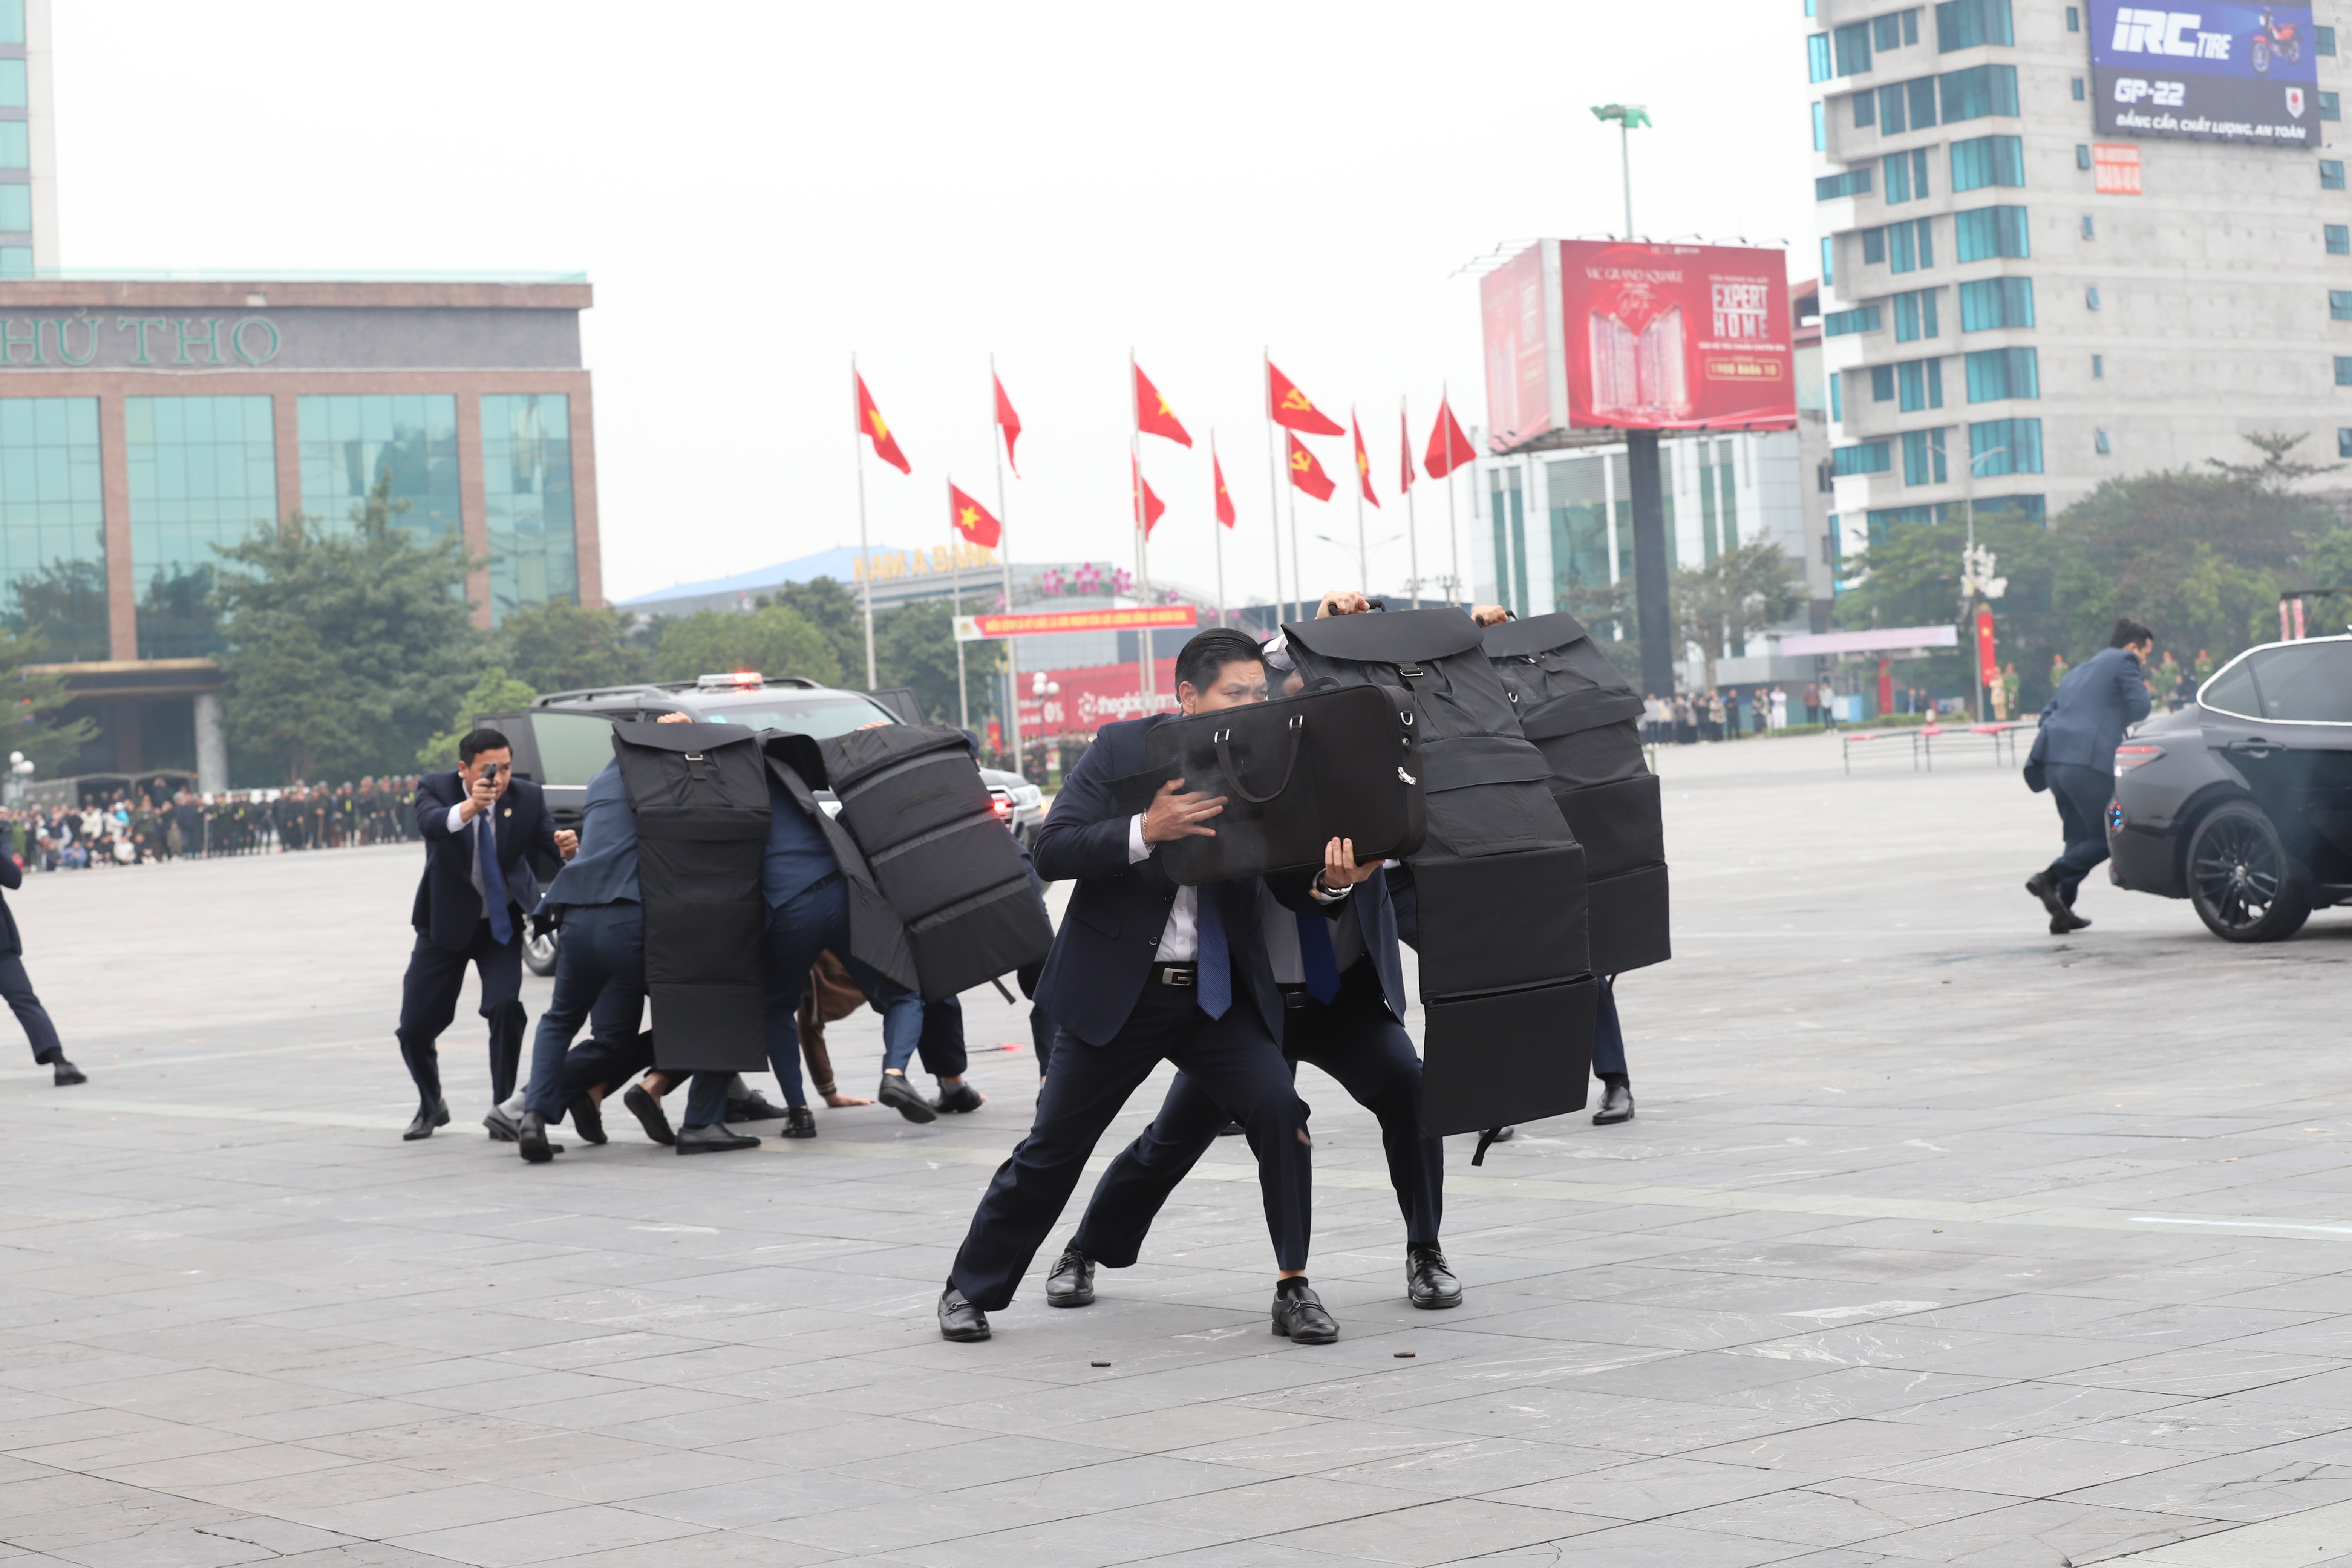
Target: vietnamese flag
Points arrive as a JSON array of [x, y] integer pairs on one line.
[[1307, 473], [1293, 409], [1363, 463], [1153, 506], [870, 425], [1405, 453], [971, 519], [1449, 449], [1151, 412], [1009, 421], [1225, 497]]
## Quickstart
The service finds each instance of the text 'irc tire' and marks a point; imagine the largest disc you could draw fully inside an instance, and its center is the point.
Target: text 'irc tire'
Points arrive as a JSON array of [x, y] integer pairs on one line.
[[2245, 886], [539, 952]]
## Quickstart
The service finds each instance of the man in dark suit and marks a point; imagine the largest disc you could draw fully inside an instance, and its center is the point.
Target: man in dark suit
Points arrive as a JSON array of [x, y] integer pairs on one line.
[[479, 825], [2074, 758], [1143, 971], [16, 988]]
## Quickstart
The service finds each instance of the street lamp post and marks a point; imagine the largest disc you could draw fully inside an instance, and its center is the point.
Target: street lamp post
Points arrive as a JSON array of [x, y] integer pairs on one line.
[[1626, 116], [1976, 566]]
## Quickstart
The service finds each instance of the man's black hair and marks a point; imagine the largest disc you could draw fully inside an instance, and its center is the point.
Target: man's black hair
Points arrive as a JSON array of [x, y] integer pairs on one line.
[[476, 741], [1210, 651], [2127, 632]]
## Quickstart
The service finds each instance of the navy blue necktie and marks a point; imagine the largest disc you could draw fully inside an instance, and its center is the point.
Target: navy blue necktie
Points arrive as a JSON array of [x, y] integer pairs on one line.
[[494, 886], [1316, 957], [1216, 973]]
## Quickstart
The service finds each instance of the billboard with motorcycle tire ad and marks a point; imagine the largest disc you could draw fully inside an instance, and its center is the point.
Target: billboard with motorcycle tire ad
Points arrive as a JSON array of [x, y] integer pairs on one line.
[[2205, 70]]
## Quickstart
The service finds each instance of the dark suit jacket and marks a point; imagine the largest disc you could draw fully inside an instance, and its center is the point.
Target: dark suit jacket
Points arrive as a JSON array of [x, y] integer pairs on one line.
[[12, 876], [447, 908], [2084, 719], [1103, 954], [1376, 921]]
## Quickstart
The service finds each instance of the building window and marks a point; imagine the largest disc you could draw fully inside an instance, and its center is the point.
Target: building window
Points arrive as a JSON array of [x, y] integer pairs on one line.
[[1983, 161], [1985, 233], [1915, 316], [1996, 374], [1922, 381], [15, 261], [1837, 398], [2090, 228], [1821, 129], [1881, 383], [2078, 89], [15, 209], [1892, 120], [1840, 324], [2343, 371], [349, 444], [1923, 457], [1865, 110], [1979, 91], [2099, 442], [53, 525], [2090, 299], [1898, 177], [1869, 458], [2339, 240], [1852, 183], [2005, 447], [11, 84], [2098, 367], [527, 499], [1508, 508], [1906, 105], [1817, 56], [1829, 262], [2343, 442], [1886, 32], [2339, 304], [15, 144], [202, 472], [1965, 24], [1993, 302], [1873, 248], [12, 21], [2331, 106], [1852, 49], [1911, 245], [2082, 154], [2323, 40], [1576, 491], [2331, 173], [2073, 17]]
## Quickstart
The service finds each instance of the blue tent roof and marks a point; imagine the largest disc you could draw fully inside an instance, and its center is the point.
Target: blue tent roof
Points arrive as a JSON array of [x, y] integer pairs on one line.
[[840, 563]]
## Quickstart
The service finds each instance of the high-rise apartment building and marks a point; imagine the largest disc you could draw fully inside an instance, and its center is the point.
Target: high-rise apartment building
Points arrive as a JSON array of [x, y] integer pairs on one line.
[[2066, 242], [28, 186]]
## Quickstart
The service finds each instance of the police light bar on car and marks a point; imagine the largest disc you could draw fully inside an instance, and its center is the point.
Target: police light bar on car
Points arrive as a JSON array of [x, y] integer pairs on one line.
[[733, 681]]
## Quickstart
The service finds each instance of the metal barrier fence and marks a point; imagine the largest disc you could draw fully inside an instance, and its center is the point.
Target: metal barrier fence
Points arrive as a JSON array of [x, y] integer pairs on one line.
[[1996, 743]]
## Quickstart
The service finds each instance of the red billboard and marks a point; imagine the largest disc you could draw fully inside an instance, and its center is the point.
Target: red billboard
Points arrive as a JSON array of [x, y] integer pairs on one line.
[[1648, 337], [1080, 701]]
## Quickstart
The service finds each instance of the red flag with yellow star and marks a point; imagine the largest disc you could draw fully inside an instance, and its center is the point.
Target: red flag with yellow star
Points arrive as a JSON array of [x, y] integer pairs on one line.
[[1008, 421], [1293, 409], [971, 519], [1151, 412], [870, 425], [1152, 505], [1363, 463], [1225, 497], [1307, 473]]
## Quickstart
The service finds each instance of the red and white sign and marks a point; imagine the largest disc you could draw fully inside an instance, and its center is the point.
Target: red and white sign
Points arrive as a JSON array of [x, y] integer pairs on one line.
[[2115, 168], [1149, 617], [1080, 701], [1519, 315]]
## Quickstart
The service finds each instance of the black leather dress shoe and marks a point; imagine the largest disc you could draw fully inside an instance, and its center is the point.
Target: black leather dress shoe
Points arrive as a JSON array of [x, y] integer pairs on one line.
[[428, 1119], [958, 1097], [587, 1117], [1428, 1281], [63, 1072], [1299, 1317], [502, 1127], [714, 1139], [800, 1121], [2067, 924], [531, 1139], [959, 1319], [1616, 1101], [1072, 1282], [649, 1114], [2041, 887], [905, 1099], [752, 1106]]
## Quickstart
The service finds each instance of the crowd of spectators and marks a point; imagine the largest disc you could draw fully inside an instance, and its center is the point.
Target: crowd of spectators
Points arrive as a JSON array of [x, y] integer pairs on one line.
[[156, 822]]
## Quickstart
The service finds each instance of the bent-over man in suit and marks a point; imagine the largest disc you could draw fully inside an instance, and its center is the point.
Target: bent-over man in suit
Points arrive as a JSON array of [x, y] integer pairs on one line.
[[2074, 756], [479, 825], [16, 988], [1143, 971]]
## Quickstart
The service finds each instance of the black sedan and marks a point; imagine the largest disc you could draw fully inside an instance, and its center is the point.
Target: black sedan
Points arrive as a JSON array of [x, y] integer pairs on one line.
[[2242, 801]]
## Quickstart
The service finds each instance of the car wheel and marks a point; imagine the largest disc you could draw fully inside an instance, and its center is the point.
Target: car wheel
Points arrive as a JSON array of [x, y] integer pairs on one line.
[[2245, 886], [539, 952]]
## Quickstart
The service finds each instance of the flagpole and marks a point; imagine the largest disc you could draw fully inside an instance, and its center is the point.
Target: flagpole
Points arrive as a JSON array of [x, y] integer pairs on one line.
[[1452, 529], [1412, 512], [1134, 472], [1004, 560], [1273, 487], [1217, 527], [865, 554], [1297, 576], [955, 597]]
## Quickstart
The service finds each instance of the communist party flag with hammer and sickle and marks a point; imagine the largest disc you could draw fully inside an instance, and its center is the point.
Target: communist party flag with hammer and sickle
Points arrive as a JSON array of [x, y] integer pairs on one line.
[[1307, 473], [1293, 409], [870, 424], [1363, 463], [971, 519], [1152, 416]]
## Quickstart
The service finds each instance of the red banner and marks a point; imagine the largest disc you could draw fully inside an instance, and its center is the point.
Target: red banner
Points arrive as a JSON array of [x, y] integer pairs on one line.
[[1080, 701], [1988, 663], [1145, 617]]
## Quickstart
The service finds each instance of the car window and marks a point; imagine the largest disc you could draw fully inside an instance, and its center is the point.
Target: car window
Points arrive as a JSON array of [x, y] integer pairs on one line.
[[821, 717], [573, 747], [2231, 692], [2308, 682]]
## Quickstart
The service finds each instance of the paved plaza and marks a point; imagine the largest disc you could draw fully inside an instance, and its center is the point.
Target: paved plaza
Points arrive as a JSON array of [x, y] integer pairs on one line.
[[1938, 1239]]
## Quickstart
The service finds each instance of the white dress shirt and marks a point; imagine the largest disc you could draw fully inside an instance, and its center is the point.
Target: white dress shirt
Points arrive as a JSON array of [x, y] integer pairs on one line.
[[1180, 940], [459, 824]]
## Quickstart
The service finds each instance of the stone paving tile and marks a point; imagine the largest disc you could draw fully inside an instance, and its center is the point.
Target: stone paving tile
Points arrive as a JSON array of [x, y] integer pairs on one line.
[[1840, 1512], [1652, 1489], [1443, 1532], [2040, 1533], [539, 1538]]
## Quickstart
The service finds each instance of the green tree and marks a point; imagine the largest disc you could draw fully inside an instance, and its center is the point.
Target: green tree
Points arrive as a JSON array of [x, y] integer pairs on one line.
[[775, 640], [2279, 466], [495, 692], [346, 646], [47, 742], [1910, 576], [834, 610], [1735, 597], [914, 647], [560, 646]]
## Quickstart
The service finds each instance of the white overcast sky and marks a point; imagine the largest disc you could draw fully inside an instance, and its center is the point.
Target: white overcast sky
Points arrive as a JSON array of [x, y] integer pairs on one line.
[[756, 190]]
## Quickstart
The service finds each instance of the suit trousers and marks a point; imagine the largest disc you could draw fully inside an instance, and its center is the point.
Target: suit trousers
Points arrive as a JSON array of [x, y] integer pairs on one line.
[[16, 988], [1236, 1063], [2081, 794], [1608, 1033], [428, 1002], [1354, 1038], [602, 943], [797, 931]]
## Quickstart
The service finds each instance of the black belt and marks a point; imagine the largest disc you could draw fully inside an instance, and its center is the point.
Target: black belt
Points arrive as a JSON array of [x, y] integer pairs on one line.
[[1186, 974]]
